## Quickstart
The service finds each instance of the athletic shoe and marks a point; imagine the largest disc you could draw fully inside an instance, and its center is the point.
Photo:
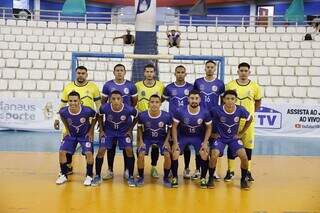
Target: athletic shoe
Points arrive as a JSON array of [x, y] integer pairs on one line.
[[244, 183], [250, 178], [61, 179], [108, 176], [195, 175], [126, 174], [210, 183], [154, 172], [140, 181], [174, 183], [70, 169], [186, 174], [203, 183], [131, 182], [97, 180], [88, 181], [229, 176], [166, 182]]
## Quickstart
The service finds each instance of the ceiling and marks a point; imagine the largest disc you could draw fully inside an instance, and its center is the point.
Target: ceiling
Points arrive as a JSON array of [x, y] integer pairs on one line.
[[168, 3]]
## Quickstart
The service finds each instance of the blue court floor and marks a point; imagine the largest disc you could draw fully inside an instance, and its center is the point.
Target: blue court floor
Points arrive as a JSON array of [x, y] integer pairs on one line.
[[49, 142]]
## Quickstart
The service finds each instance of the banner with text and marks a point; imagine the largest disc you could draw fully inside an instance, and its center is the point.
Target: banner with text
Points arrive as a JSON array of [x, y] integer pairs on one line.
[[27, 114], [288, 120]]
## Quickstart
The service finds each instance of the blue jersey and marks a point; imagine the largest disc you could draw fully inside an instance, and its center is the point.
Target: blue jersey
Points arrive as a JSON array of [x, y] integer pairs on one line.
[[79, 124], [117, 123], [154, 128], [192, 125], [226, 123], [210, 91], [177, 95], [127, 90]]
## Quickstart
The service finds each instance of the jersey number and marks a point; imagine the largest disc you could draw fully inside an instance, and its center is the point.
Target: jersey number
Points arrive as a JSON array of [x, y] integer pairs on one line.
[[207, 99], [180, 103], [192, 130], [154, 134]]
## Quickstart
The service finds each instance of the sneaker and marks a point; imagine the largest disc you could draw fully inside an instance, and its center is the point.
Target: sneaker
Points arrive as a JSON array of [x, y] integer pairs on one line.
[[140, 181], [108, 176], [210, 183], [61, 179], [216, 177], [195, 175], [70, 170], [97, 180], [88, 181], [250, 178], [166, 182], [126, 174], [174, 183], [131, 182], [203, 183], [245, 184], [186, 174], [229, 176], [154, 172]]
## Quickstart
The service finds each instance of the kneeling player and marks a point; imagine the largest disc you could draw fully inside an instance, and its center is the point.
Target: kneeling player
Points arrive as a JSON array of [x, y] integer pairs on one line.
[[116, 128], [154, 126], [76, 119], [227, 118], [192, 126]]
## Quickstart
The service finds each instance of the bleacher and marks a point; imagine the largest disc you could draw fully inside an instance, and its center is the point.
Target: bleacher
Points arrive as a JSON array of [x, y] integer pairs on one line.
[[35, 56]]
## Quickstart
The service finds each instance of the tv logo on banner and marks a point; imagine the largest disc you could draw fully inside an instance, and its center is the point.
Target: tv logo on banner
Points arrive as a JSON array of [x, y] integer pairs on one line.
[[267, 118]]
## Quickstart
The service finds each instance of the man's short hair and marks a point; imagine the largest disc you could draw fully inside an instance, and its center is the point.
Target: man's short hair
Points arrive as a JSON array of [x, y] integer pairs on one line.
[[180, 66], [119, 65], [155, 96], [149, 66], [116, 92], [230, 92], [210, 61], [74, 93], [194, 92], [81, 68], [244, 64]]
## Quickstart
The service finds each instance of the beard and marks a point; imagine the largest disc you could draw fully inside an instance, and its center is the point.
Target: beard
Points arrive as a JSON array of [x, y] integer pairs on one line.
[[80, 80], [194, 105]]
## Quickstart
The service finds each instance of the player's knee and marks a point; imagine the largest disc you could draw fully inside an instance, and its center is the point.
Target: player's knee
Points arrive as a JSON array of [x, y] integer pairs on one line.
[[89, 156], [166, 155], [141, 155], [214, 154], [129, 152], [101, 152]]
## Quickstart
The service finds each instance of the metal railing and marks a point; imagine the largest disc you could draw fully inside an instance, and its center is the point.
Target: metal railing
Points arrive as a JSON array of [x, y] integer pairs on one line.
[[170, 19]]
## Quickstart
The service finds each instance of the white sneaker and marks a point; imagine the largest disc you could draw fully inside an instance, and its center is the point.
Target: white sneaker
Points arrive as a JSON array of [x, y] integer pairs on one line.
[[186, 174], [195, 175], [126, 174], [87, 181], [61, 179], [108, 176]]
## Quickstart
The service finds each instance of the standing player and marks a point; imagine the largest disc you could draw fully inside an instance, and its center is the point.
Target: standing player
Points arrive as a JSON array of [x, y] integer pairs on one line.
[[226, 119], [249, 96], [129, 94], [192, 126], [76, 119], [176, 94], [154, 126], [89, 95], [149, 86], [211, 89], [115, 128]]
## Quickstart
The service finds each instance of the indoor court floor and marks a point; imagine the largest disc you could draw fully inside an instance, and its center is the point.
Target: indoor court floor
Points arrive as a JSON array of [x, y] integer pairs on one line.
[[286, 171]]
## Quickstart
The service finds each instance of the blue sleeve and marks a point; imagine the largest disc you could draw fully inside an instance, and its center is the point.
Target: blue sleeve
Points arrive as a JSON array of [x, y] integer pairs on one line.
[[102, 109], [222, 89], [207, 117], [244, 113], [133, 89], [169, 119], [92, 113], [133, 112], [195, 86], [177, 115], [165, 92], [105, 89], [62, 112], [139, 119]]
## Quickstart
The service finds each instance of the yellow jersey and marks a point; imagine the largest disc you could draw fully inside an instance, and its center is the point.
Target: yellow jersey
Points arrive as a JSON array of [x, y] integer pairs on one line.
[[89, 93], [145, 92], [247, 94]]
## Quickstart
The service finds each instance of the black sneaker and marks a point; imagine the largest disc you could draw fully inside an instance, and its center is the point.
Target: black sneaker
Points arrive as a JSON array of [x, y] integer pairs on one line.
[[210, 183], [229, 176], [174, 183], [245, 184], [70, 170], [250, 178]]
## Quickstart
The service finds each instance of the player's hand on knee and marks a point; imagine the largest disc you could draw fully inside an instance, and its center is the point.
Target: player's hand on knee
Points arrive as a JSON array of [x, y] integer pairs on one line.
[[166, 146], [56, 124], [90, 136], [101, 134], [238, 136]]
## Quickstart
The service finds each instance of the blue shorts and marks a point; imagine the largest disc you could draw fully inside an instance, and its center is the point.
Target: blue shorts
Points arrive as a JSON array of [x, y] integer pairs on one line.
[[148, 144], [193, 141], [69, 144], [233, 144], [123, 142]]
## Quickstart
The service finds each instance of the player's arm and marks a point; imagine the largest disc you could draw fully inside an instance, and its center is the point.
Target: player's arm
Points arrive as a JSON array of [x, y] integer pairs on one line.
[[117, 37], [134, 100], [90, 134], [63, 103], [174, 132], [66, 125], [246, 126], [139, 136], [166, 140], [208, 132], [257, 104]]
